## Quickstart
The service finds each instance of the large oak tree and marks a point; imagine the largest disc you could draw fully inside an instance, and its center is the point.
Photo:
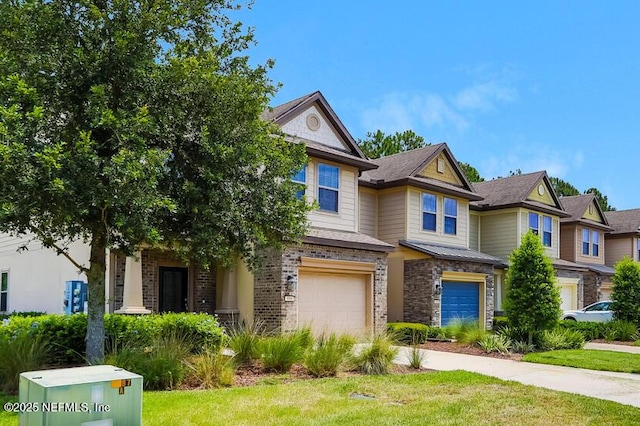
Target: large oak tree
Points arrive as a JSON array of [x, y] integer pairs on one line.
[[138, 122]]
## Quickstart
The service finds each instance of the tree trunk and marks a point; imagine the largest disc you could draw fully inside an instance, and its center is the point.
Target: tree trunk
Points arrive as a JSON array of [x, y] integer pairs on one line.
[[96, 287]]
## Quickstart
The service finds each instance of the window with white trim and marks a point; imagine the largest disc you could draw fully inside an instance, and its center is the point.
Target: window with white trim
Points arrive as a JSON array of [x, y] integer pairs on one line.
[[534, 223], [450, 216], [328, 187], [638, 249], [595, 243], [586, 242], [429, 212], [300, 178], [547, 230], [4, 290]]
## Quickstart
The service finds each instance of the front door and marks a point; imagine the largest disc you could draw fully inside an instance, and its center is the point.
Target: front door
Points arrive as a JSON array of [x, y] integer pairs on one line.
[[174, 285]]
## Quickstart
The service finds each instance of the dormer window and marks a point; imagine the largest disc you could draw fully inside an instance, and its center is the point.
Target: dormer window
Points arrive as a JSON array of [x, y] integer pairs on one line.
[[300, 178], [328, 187]]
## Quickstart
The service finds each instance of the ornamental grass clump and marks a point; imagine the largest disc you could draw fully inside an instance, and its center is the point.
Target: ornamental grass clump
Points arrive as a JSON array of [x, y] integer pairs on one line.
[[279, 353], [244, 341], [19, 353], [328, 355], [210, 369], [377, 356]]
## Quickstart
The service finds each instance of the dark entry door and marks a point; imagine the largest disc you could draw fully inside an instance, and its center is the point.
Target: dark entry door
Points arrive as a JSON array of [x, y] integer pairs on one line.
[[174, 285]]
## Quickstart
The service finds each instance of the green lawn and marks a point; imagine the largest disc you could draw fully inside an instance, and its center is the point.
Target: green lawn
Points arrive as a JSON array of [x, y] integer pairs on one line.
[[444, 398], [590, 359]]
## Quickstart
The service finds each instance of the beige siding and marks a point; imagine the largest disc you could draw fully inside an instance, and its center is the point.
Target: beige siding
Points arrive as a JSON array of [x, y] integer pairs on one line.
[[325, 134], [592, 213], [578, 247], [445, 173], [474, 231], [617, 248], [545, 197], [499, 233], [368, 223], [568, 236], [345, 219], [414, 220], [391, 215]]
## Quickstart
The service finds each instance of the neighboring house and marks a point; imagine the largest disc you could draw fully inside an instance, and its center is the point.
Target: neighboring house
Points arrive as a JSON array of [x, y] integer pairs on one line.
[[335, 280], [624, 240], [582, 241], [419, 202], [511, 207]]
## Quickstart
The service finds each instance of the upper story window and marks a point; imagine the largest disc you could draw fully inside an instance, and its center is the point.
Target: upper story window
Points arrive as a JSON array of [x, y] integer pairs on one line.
[[450, 216], [429, 211], [301, 178], [547, 231], [638, 249], [4, 290], [328, 187], [534, 223], [595, 243], [586, 242]]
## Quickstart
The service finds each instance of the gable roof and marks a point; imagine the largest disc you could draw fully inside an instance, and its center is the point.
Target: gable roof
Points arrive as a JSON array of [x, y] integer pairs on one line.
[[404, 168], [284, 113], [576, 206], [514, 191], [624, 221], [439, 251]]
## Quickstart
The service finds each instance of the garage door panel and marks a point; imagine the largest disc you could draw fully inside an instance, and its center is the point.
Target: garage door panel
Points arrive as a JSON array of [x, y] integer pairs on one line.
[[333, 302], [460, 300]]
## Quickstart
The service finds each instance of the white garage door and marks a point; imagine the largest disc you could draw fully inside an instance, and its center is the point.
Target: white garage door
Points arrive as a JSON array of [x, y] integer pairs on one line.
[[568, 297], [333, 302]]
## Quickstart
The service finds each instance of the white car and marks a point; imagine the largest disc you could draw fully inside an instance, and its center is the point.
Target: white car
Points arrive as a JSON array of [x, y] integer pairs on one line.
[[597, 312]]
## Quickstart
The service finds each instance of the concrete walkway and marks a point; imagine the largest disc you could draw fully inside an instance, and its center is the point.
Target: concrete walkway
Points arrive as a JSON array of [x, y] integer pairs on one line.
[[619, 387], [613, 347]]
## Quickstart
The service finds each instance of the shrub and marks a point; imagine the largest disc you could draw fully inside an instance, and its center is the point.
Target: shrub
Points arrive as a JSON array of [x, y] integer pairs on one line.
[[161, 363], [409, 333], [590, 330], [513, 333], [522, 347], [464, 331], [495, 343], [560, 339], [626, 290], [377, 356], [244, 341], [499, 323], [279, 353], [210, 369], [21, 314], [20, 353], [620, 330], [328, 355]]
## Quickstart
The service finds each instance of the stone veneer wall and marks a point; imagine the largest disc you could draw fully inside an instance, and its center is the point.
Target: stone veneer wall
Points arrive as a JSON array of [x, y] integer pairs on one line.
[[202, 283], [591, 285], [565, 273], [420, 302], [270, 283]]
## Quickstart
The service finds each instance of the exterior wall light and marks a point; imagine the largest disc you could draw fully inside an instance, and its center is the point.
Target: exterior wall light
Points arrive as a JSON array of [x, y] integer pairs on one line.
[[437, 287], [292, 283]]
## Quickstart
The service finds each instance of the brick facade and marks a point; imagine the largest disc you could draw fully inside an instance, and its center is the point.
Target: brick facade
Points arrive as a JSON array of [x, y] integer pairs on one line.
[[421, 304], [270, 283], [202, 282]]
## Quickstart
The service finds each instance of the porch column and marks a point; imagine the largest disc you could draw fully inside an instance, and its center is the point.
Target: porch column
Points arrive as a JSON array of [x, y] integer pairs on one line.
[[132, 292], [228, 310]]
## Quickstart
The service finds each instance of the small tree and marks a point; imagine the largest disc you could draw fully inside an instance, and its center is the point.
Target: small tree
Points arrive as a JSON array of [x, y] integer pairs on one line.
[[626, 290], [533, 300]]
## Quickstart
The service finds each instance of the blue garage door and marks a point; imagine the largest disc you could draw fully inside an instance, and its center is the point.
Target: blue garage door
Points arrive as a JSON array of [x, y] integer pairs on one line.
[[460, 301]]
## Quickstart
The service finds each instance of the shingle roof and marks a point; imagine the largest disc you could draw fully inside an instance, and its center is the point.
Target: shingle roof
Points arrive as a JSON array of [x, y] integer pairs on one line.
[[513, 191], [565, 264], [601, 269], [453, 253], [577, 205], [331, 237], [275, 113], [624, 221], [403, 169]]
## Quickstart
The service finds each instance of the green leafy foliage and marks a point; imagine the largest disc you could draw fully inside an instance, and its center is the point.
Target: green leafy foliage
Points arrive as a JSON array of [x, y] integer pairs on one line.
[[377, 144], [472, 174], [244, 340], [328, 355], [590, 330], [563, 188], [499, 323], [210, 369], [465, 331], [376, 356], [532, 300], [552, 340], [626, 290], [620, 330], [495, 343], [123, 123], [409, 332], [279, 353], [21, 352]]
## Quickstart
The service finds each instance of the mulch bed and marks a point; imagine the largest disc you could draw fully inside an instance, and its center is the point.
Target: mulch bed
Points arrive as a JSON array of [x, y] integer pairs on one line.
[[460, 348]]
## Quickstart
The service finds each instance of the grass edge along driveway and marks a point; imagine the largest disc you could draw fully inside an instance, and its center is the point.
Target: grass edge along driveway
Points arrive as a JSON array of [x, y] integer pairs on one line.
[[621, 362], [449, 398]]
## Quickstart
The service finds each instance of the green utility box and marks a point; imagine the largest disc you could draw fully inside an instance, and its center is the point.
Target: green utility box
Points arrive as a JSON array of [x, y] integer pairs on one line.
[[100, 395]]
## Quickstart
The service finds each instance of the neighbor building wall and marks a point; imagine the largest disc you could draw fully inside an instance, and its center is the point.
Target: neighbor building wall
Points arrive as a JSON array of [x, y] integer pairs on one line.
[[616, 248]]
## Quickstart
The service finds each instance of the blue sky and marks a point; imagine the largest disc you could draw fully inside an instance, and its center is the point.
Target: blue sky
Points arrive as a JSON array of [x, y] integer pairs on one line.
[[547, 85]]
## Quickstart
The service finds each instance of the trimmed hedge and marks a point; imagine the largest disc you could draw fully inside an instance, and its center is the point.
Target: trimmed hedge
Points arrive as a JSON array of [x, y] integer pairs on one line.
[[66, 333], [409, 332], [590, 330]]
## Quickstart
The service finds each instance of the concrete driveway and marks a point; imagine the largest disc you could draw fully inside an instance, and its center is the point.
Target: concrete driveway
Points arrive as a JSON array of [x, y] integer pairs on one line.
[[619, 387]]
